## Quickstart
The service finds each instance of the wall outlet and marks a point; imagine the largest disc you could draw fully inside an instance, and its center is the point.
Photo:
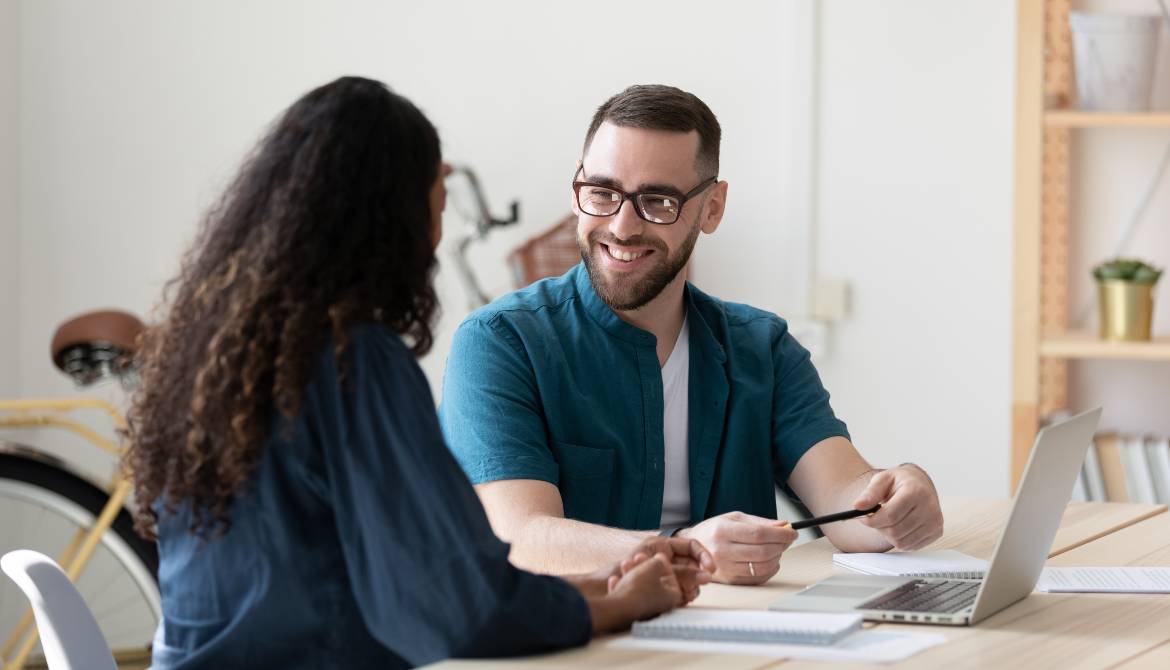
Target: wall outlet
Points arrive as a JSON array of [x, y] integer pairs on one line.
[[830, 300]]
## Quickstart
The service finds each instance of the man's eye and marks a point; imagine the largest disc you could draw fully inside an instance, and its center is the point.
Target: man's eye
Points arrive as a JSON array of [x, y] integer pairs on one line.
[[664, 201]]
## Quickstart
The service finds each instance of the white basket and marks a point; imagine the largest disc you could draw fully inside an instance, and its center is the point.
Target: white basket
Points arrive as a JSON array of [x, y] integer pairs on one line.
[[1114, 57]]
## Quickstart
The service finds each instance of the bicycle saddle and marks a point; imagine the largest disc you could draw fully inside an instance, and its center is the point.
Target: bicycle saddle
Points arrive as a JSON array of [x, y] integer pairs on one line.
[[97, 344]]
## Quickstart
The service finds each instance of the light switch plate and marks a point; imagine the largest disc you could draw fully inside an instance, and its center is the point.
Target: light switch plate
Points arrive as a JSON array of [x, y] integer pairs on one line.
[[830, 299]]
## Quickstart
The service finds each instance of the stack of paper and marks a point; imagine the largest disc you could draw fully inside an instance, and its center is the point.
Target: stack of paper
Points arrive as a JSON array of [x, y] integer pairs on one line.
[[1128, 579]]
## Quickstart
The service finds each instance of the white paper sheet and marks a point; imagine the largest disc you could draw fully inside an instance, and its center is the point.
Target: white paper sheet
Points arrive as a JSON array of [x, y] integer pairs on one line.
[[867, 646], [943, 563], [1128, 579]]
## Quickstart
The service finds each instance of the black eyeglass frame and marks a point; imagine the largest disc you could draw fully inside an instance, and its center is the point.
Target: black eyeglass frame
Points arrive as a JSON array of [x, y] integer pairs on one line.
[[636, 196]]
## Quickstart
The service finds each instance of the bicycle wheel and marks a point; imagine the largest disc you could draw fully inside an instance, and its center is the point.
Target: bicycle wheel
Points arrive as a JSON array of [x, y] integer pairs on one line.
[[41, 508]]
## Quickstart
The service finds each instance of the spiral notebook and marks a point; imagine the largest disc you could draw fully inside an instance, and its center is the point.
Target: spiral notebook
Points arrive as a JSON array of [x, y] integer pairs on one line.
[[944, 564], [693, 623]]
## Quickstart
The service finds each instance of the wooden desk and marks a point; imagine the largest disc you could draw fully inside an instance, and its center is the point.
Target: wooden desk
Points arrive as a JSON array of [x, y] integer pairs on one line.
[[1144, 543], [1044, 630], [1069, 630]]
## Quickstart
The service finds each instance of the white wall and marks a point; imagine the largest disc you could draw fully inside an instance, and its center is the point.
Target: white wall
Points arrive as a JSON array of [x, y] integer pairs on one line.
[[9, 190], [915, 205], [135, 114]]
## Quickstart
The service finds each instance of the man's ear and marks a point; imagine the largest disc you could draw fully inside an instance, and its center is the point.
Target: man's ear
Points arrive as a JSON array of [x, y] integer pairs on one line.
[[714, 207]]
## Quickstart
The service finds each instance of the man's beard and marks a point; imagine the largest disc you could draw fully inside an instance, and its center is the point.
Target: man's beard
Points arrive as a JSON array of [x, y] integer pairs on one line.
[[628, 293]]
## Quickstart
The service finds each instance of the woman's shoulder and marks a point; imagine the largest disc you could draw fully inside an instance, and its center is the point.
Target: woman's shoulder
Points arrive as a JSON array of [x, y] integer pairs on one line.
[[373, 354], [367, 352], [376, 340]]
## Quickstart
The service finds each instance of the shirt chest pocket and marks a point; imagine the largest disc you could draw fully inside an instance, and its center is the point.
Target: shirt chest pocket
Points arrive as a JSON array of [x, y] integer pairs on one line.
[[586, 474]]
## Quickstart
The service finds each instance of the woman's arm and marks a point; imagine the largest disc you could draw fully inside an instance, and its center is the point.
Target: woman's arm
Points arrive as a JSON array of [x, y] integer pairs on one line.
[[429, 576]]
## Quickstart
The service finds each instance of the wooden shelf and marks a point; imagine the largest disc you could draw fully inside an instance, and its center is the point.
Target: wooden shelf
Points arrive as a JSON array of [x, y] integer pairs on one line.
[[1072, 118], [1043, 237], [1088, 345]]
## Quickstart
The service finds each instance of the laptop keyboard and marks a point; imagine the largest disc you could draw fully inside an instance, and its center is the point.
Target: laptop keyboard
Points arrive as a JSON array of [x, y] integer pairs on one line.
[[946, 596]]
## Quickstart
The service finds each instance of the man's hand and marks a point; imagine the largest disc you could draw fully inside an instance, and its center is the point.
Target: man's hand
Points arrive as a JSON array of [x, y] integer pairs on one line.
[[746, 548], [910, 517]]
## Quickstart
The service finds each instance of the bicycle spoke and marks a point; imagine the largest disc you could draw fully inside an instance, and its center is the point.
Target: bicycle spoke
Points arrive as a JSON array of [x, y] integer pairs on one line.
[[39, 518], [104, 579]]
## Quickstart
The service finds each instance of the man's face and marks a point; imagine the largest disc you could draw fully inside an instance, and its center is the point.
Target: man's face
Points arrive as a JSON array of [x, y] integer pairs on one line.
[[629, 260]]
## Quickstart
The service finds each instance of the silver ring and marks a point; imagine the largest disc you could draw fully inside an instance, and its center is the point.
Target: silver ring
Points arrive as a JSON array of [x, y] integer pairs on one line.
[[752, 568]]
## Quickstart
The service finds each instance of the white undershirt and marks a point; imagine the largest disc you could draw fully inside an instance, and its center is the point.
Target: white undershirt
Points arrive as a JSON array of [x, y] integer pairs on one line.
[[676, 489]]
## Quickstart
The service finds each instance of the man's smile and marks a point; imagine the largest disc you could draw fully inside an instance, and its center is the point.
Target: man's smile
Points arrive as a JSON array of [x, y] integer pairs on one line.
[[624, 258]]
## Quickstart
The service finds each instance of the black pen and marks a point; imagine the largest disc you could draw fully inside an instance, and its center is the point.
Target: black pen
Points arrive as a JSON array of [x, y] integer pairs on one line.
[[830, 518]]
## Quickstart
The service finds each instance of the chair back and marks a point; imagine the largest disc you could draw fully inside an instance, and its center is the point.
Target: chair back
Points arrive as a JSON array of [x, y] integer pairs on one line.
[[70, 636]]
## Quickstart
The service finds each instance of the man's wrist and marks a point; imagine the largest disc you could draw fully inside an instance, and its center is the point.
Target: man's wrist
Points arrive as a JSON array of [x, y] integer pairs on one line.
[[674, 531]]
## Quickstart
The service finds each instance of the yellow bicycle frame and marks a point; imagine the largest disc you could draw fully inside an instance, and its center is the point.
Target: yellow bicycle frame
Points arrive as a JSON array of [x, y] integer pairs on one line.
[[33, 413]]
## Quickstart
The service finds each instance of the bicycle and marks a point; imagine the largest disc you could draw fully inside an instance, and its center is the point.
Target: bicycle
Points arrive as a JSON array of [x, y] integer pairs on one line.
[[470, 202], [51, 507]]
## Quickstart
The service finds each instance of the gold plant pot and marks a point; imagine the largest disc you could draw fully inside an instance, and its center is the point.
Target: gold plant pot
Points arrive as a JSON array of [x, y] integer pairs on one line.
[[1127, 309]]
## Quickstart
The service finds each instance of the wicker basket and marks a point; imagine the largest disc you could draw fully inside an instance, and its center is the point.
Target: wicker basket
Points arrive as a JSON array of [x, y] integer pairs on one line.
[[549, 254]]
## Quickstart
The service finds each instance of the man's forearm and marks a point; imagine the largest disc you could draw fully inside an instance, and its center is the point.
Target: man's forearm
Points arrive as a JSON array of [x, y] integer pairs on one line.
[[557, 546]]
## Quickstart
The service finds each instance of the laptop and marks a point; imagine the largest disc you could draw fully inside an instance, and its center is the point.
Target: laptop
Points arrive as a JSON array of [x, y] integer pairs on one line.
[[1015, 566]]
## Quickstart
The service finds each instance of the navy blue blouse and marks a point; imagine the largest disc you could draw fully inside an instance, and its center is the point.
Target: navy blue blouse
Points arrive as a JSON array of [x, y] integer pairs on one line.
[[360, 543]]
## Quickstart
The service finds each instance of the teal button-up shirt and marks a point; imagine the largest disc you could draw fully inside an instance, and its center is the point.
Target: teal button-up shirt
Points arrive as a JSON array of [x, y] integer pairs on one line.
[[548, 383]]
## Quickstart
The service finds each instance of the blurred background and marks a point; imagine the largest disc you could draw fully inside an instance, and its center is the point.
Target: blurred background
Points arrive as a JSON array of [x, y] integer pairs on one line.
[[868, 146]]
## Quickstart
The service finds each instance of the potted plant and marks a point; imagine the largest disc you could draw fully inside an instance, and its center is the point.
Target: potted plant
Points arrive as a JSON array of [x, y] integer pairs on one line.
[[1125, 287]]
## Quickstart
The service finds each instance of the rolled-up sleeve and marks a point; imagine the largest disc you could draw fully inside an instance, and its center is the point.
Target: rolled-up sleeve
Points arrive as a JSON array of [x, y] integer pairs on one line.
[[490, 412], [801, 413], [430, 578]]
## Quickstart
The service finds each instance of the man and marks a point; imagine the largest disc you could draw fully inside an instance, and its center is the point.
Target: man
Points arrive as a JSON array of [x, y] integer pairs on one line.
[[618, 401]]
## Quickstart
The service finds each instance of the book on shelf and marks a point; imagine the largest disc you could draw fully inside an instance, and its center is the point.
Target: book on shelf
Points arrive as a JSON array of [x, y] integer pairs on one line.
[[1094, 480], [1108, 447], [1126, 468], [1137, 471], [1158, 457]]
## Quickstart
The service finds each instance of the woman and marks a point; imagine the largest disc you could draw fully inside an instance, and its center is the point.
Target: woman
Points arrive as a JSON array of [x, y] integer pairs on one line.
[[284, 444]]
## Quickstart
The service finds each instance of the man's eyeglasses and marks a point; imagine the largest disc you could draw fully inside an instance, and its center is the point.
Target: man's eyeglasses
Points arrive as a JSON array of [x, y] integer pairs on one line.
[[659, 208]]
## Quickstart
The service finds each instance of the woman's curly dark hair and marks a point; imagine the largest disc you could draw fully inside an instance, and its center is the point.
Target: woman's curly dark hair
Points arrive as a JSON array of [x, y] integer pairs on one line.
[[327, 224]]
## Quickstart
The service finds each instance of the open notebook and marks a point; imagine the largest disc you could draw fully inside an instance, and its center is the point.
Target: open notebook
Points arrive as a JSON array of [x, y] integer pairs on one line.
[[693, 623]]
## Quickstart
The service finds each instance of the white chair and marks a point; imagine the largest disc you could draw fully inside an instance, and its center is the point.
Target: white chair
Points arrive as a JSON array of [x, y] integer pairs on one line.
[[69, 634]]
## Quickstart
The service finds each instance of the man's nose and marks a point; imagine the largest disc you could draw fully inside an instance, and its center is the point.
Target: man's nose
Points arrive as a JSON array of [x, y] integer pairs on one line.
[[626, 223]]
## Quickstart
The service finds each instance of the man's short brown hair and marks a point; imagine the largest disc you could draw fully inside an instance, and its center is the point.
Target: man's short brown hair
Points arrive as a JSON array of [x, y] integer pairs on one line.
[[658, 107]]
